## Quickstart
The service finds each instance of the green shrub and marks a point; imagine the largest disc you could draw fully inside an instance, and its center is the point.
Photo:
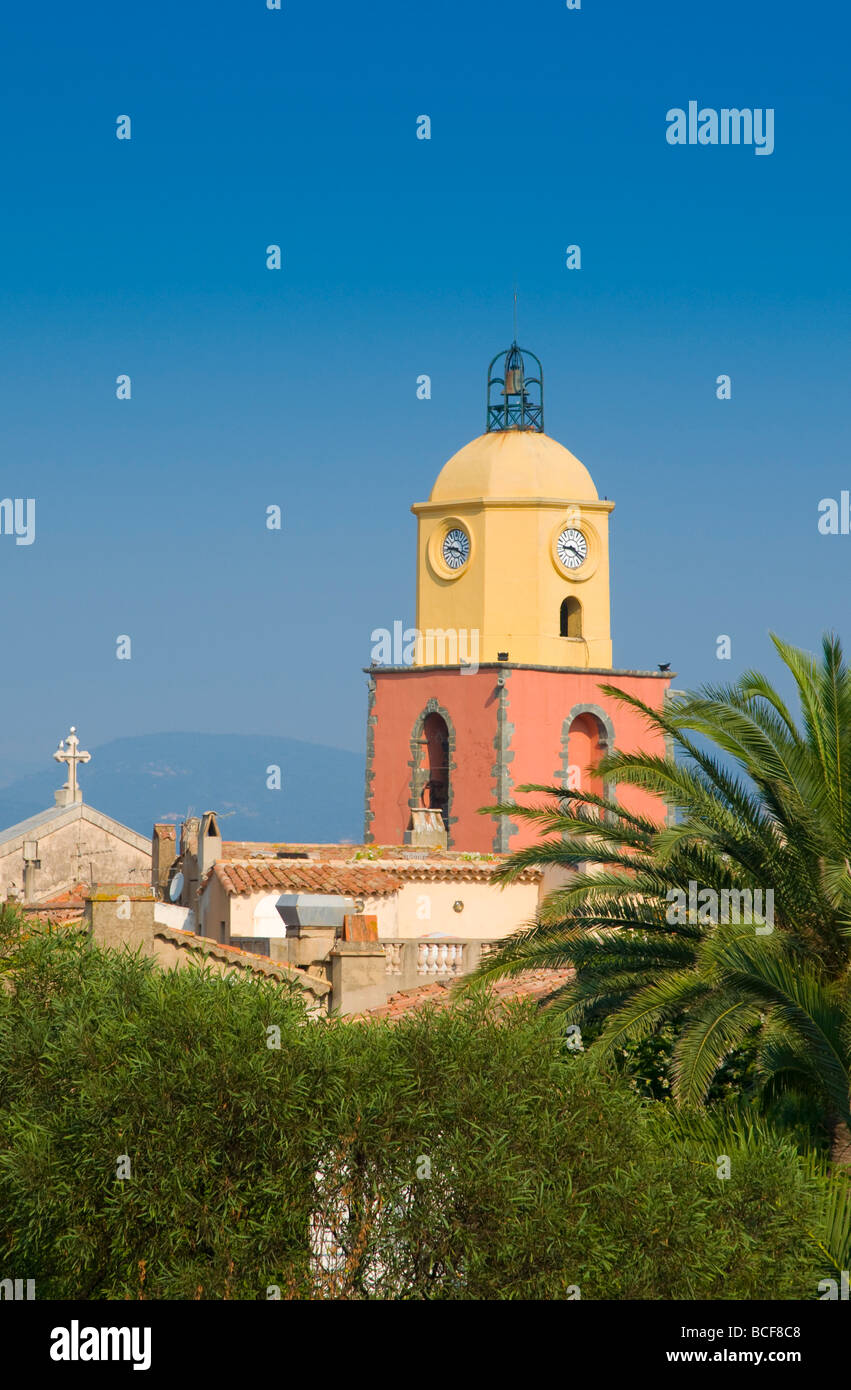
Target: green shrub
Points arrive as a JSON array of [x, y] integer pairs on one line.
[[544, 1176]]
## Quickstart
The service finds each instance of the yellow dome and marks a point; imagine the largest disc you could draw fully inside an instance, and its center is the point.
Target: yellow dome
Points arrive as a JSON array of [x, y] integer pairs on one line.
[[514, 463]]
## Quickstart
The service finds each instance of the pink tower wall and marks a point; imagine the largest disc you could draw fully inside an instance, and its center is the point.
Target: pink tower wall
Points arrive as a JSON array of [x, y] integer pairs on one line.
[[471, 706], [536, 703], [539, 703]]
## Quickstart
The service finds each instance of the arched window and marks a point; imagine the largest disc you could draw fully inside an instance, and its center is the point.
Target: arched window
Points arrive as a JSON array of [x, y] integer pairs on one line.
[[436, 788], [586, 743], [570, 618]]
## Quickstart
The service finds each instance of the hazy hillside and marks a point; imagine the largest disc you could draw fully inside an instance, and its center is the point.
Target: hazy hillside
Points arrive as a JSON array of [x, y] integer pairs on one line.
[[158, 777]]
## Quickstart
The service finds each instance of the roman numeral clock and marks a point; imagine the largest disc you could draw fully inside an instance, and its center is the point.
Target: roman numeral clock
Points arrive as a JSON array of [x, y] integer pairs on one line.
[[571, 548], [456, 548]]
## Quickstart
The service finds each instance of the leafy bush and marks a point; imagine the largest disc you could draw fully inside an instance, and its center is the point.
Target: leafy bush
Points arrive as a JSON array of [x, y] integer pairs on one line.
[[647, 1064], [454, 1154]]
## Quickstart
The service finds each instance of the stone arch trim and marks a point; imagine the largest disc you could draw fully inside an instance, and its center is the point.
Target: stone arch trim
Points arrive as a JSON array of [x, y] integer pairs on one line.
[[501, 770], [670, 752], [608, 728], [371, 721], [419, 775]]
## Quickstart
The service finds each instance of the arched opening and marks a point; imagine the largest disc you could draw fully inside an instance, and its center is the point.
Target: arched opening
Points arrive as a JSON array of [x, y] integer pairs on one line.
[[570, 618], [436, 765], [586, 744]]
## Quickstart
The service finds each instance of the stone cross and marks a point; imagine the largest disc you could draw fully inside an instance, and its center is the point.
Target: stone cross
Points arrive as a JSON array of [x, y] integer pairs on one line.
[[70, 756]]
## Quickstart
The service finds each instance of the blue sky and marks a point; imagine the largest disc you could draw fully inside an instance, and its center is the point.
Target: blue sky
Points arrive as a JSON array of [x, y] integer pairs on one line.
[[298, 387]]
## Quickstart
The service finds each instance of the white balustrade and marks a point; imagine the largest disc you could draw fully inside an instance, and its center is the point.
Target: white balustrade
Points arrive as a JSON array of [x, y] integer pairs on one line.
[[440, 958]]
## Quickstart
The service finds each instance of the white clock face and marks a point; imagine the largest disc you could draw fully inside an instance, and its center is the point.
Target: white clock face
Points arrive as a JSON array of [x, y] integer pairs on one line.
[[572, 548], [456, 548]]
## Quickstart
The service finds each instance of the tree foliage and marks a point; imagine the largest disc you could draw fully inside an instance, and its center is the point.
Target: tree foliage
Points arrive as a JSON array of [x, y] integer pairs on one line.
[[463, 1153], [759, 801]]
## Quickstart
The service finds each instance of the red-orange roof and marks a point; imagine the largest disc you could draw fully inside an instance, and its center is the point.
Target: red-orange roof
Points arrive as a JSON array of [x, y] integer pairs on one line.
[[370, 854], [452, 871], [264, 965], [365, 878], [380, 868], [71, 897], [56, 916], [62, 908], [533, 984], [303, 876]]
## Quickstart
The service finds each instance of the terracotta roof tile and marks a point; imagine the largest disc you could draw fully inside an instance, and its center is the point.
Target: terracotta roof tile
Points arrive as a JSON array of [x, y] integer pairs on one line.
[[71, 897], [421, 871], [264, 965], [57, 916], [63, 908], [379, 869], [303, 876], [399, 856], [533, 984]]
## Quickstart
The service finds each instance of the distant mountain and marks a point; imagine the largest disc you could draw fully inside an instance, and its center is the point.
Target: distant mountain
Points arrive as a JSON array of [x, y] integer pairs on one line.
[[162, 777]]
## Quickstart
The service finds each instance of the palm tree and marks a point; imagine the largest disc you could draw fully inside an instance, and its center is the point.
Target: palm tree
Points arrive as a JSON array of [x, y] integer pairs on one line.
[[758, 800]]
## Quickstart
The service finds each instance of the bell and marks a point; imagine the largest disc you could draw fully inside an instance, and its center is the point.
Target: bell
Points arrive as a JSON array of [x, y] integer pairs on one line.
[[513, 382]]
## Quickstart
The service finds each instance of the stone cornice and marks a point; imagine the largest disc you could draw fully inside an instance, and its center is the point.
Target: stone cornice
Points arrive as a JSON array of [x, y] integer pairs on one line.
[[450, 504], [520, 666]]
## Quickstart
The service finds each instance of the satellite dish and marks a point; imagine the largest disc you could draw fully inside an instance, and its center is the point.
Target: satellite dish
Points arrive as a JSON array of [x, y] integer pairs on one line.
[[175, 888]]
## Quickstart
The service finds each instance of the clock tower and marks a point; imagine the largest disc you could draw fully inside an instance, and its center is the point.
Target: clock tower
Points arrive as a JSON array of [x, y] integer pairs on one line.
[[513, 638]]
